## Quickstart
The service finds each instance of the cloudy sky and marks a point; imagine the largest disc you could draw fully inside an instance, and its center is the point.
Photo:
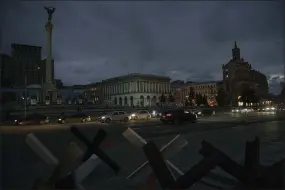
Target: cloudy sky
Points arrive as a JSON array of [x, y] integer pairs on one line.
[[184, 40]]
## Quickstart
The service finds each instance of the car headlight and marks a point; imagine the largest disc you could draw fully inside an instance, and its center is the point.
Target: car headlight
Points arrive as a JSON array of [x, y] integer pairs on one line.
[[103, 117], [267, 108], [273, 108], [16, 120], [199, 113], [133, 115], [59, 119], [153, 112]]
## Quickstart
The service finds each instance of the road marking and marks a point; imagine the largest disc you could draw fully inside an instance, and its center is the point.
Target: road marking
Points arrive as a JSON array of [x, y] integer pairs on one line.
[[172, 147]]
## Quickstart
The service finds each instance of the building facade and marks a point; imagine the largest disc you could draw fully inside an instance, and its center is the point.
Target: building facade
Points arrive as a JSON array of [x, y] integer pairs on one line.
[[135, 90], [208, 89], [239, 75], [261, 83], [177, 91], [24, 67], [95, 93]]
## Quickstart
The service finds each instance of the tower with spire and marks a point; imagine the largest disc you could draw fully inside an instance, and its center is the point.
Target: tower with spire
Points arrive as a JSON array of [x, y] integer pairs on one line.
[[236, 52]]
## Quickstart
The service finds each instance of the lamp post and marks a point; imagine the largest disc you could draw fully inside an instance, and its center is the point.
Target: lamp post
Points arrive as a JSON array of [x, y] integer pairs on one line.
[[25, 98]]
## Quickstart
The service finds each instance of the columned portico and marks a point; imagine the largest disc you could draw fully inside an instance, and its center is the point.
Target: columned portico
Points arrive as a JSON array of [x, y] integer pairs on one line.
[[135, 89]]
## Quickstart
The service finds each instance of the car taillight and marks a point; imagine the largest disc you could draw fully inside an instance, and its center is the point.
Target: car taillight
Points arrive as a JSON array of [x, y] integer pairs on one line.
[[169, 114]]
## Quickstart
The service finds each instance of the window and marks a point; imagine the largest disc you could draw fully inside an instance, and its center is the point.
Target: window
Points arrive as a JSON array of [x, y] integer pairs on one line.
[[115, 113], [121, 113]]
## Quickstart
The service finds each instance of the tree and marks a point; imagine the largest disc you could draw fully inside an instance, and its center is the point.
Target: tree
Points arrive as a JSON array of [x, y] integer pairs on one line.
[[199, 99], [191, 97], [162, 98], [191, 93], [170, 98], [205, 100], [221, 96], [187, 102]]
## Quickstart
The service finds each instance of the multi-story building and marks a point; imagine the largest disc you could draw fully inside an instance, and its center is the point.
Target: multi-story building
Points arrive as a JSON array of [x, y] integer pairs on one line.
[[238, 75], [26, 62], [261, 83], [7, 71], [207, 89], [24, 67], [135, 89], [95, 94], [177, 91]]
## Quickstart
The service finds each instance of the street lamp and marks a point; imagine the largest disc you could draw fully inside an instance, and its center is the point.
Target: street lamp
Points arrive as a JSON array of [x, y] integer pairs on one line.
[[26, 91], [25, 99]]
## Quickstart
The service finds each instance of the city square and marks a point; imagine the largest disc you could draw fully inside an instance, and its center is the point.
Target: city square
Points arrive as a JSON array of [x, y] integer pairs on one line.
[[100, 108]]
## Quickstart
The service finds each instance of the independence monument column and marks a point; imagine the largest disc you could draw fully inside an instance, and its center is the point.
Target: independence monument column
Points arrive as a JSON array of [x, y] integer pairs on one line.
[[48, 87]]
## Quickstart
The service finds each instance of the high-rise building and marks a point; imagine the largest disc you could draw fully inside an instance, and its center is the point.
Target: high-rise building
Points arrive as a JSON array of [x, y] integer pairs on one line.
[[7, 73], [26, 63], [24, 67]]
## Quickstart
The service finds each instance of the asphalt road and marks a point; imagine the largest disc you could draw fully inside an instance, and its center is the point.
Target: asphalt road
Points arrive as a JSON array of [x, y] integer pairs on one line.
[[20, 166]]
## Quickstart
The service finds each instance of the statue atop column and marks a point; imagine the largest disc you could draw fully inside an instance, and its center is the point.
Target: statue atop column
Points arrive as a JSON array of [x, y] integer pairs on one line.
[[50, 11]]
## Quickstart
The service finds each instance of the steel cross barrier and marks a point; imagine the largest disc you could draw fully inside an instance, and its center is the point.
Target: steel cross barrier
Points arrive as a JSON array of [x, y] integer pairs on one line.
[[168, 150], [252, 175], [164, 176], [94, 150], [68, 171]]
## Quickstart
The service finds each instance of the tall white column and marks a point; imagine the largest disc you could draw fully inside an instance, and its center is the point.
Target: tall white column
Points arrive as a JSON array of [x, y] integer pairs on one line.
[[48, 65]]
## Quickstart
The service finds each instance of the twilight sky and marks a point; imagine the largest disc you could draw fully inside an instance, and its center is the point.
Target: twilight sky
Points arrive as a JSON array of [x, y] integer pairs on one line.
[[184, 40]]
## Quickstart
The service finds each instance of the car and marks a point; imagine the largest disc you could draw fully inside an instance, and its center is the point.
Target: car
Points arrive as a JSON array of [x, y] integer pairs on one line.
[[207, 112], [142, 114], [155, 114], [281, 108], [80, 117], [178, 116], [267, 109], [115, 116], [32, 119]]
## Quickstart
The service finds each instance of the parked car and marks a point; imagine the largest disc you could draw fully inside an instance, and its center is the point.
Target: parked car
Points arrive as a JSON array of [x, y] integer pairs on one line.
[[236, 110], [155, 113], [32, 119], [178, 116], [115, 116], [142, 114], [194, 111], [267, 109], [207, 112], [80, 117]]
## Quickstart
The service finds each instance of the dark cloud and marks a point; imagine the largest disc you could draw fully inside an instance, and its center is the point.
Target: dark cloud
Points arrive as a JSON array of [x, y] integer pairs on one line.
[[184, 40]]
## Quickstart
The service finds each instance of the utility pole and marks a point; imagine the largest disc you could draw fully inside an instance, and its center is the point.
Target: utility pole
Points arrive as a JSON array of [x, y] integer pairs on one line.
[[25, 103]]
